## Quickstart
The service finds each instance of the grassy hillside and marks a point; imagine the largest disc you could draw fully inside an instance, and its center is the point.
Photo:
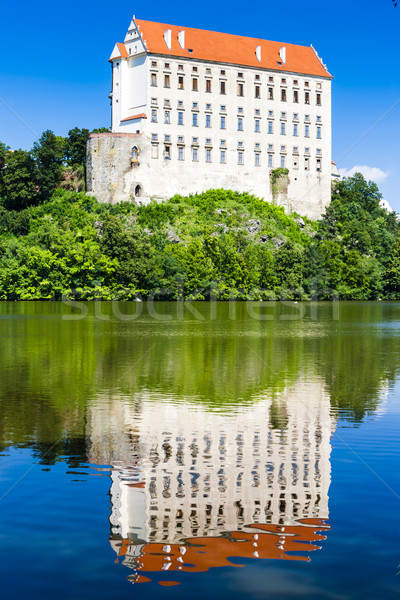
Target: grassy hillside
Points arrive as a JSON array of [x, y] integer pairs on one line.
[[218, 244]]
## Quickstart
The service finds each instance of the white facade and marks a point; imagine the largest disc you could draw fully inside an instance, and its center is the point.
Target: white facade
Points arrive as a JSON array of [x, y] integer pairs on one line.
[[210, 124]]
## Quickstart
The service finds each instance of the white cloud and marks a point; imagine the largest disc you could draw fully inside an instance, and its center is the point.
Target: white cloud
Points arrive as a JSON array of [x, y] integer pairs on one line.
[[370, 173]]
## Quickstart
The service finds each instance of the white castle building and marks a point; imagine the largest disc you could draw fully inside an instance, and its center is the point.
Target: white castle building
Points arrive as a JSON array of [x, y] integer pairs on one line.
[[194, 110], [188, 482]]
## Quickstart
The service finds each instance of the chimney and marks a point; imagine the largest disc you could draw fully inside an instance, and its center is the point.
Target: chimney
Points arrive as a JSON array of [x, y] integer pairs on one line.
[[181, 39], [258, 53], [282, 54], [167, 38]]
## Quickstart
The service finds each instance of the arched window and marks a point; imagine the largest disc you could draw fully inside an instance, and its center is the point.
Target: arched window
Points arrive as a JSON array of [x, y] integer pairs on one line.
[[138, 191], [135, 154]]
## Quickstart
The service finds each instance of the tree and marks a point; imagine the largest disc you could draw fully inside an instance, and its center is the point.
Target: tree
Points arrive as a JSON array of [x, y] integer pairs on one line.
[[75, 147], [48, 153], [18, 187]]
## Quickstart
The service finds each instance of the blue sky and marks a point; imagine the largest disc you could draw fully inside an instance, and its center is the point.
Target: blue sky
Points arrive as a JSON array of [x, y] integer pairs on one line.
[[54, 72]]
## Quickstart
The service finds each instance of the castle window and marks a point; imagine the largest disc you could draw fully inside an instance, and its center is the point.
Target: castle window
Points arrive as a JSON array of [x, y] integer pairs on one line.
[[180, 67], [167, 152], [318, 119], [240, 89], [222, 143], [240, 144], [319, 151], [270, 148], [195, 154], [319, 86], [295, 164], [208, 155], [167, 103], [283, 128], [283, 161], [257, 92], [194, 69], [195, 105], [270, 160], [180, 82], [181, 153], [167, 81], [306, 164], [257, 146], [240, 157], [283, 149], [154, 101], [154, 151], [195, 140], [240, 124], [134, 155], [222, 87], [257, 111], [257, 159], [306, 150], [208, 121], [283, 95], [318, 133], [222, 73], [223, 122], [208, 71], [271, 114], [167, 116], [307, 84], [208, 141], [194, 120], [223, 156], [318, 99], [271, 79], [295, 149], [195, 82], [153, 64], [295, 129], [166, 65], [240, 75], [270, 93], [154, 137], [307, 97], [257, 125], [167, 138], [208, 107], [295, 96], [180, 118], [154, 80], [318, 164], [240, 109], [295, 82], [180, 102], [222, 108], [295, 116], [283, 116], [270, 127], [257, 78], [154, 116], [307, 131], [180, 139], [208, 86]]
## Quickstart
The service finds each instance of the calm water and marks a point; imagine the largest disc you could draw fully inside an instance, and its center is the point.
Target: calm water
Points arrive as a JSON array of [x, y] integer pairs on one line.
[[239, 450]]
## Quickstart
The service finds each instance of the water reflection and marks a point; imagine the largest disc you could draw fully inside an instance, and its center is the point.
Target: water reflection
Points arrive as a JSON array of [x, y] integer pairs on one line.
[[194, 488]]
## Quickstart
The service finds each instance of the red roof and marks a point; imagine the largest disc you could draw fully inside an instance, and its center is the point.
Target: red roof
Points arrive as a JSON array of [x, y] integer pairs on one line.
[[141, 116], [231, 49]]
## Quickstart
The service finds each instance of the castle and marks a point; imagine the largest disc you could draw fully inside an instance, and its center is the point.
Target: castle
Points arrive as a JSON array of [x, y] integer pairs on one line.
[[194, 110]]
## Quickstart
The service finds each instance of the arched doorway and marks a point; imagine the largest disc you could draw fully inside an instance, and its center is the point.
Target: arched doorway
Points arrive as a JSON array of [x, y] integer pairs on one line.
[[138, 191]]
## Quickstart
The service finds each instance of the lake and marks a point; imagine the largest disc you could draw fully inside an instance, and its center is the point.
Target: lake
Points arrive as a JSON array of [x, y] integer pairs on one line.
[[219, 450]]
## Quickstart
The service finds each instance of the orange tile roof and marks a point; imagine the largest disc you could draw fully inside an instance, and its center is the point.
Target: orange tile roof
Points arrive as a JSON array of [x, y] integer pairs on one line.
[[123, 50], [231, 49], [141, 116]]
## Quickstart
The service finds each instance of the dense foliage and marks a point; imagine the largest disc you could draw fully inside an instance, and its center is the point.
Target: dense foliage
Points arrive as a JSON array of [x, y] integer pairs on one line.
[[219, 244]]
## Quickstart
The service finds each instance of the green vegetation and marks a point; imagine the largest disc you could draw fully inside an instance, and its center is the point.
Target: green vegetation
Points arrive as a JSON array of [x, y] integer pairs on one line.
[[56, 242]]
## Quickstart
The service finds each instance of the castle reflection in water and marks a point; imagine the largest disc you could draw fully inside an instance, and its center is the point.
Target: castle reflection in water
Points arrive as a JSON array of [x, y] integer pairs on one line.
[[195, 487]]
